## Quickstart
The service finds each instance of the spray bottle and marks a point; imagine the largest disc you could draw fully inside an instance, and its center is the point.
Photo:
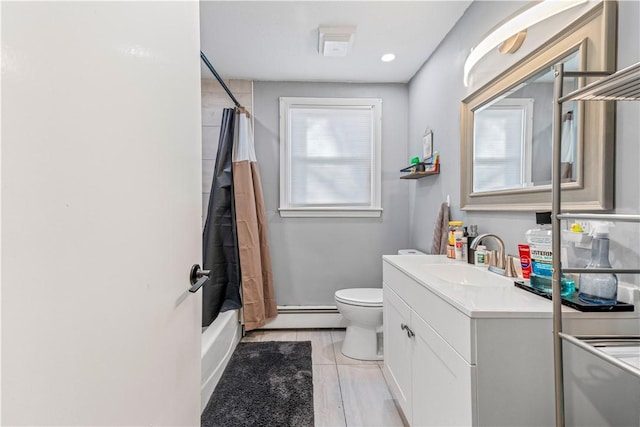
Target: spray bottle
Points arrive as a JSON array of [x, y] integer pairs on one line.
[[599, 288]]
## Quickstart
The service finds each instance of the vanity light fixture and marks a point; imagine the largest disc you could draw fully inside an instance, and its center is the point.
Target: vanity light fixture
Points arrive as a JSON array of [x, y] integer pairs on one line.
[[388, 57], [526, 19], [335, 41], [513, 43]]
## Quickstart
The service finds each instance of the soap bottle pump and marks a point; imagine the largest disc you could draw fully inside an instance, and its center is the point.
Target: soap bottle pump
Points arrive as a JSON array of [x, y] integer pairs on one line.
[[471, 236], [599, 288]]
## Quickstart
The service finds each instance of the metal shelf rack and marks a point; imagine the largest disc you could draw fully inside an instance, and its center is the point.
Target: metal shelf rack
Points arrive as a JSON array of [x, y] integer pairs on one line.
[[623, 85]]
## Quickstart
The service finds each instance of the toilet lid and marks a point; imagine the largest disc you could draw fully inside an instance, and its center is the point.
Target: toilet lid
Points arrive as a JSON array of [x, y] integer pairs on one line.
[[369, 297]]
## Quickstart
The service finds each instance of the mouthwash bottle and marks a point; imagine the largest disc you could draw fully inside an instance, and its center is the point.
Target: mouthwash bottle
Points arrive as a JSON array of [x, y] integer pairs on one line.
[[599, 288], [540, 245]]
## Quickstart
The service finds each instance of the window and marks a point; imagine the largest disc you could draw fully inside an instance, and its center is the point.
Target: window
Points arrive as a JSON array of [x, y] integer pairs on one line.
[[330, 157], [505, 128]]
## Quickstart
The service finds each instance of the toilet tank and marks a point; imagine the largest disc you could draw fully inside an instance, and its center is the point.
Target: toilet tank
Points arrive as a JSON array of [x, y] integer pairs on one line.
[[410, 252]]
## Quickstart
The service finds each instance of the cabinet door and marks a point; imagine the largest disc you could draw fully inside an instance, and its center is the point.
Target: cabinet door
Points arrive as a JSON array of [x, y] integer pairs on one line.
[[397, 349], [443, 382]]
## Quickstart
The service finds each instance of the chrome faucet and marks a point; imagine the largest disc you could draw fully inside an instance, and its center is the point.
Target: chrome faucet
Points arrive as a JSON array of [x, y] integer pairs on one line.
[[497, 264]]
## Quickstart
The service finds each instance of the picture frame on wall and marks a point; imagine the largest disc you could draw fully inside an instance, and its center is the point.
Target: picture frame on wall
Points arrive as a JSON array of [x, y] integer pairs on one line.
[[427, 145]]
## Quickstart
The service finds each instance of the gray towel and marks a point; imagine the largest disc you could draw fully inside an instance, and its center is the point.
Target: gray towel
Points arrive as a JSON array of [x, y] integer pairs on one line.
[[441, 231]]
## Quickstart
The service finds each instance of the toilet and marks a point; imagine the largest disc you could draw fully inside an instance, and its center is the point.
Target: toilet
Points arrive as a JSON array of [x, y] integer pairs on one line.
[[362, 308]]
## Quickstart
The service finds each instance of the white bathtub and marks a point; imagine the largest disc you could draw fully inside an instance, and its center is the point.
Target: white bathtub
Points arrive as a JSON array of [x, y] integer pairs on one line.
[[218, 342]]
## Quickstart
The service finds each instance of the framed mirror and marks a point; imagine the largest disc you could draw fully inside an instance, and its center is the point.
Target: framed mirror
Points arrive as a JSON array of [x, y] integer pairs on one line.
[[506, 137]]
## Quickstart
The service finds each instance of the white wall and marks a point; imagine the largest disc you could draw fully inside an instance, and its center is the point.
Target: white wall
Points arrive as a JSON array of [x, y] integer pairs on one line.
[[435, 93], [214, 100], [100, 213], [314, 257]]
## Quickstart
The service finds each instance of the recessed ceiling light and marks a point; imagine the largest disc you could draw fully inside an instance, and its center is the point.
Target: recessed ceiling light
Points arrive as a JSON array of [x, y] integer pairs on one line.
[[388, 57]]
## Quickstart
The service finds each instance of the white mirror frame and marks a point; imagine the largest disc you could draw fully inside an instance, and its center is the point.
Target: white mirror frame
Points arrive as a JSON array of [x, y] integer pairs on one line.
[[594, 36]]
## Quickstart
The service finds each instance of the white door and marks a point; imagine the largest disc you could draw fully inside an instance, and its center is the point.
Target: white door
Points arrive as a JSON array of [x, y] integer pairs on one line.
[[101, 213]]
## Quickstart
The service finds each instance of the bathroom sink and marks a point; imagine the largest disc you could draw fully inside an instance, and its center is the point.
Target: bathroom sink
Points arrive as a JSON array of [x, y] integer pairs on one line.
[[465, 274]]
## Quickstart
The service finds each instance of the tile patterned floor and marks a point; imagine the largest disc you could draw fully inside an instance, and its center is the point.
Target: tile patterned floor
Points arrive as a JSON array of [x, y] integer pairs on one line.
[[346, 392]]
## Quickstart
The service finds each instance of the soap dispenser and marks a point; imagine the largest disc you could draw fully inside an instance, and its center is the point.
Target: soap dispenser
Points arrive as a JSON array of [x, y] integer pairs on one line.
[[599, 288]]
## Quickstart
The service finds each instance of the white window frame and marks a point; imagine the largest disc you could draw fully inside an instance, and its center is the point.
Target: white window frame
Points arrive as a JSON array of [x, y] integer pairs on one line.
[[525, 107], [375, 207]]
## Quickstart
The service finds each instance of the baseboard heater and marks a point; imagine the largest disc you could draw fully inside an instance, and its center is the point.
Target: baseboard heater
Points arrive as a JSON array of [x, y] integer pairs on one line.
[[306, 317]]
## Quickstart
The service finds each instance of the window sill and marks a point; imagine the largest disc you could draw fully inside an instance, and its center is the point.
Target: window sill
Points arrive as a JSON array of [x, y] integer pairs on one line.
[[330, 213]]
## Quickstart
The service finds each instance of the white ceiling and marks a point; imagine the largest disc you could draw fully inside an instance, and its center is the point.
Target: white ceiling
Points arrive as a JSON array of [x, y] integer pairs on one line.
[[268, 40]]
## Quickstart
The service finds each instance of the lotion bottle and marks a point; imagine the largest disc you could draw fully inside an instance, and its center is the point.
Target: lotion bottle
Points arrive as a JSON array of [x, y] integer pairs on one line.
[[479, 256]]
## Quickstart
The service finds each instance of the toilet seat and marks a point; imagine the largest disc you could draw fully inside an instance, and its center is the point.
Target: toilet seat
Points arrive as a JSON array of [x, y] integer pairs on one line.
[[362, 297]]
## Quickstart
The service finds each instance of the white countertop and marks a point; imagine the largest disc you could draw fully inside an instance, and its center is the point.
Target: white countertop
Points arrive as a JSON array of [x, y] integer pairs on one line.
[[501, 298]]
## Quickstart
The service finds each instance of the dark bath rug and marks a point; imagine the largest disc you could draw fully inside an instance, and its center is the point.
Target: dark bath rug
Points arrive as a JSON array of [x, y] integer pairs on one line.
[[264, 384]]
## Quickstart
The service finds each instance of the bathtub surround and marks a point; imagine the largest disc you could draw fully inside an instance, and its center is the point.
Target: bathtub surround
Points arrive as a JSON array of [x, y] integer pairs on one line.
[[213, 101], [266, 383]]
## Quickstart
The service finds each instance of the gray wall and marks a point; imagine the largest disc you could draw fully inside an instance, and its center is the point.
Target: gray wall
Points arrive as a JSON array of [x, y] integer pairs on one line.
[[435, 93], [314, 257]]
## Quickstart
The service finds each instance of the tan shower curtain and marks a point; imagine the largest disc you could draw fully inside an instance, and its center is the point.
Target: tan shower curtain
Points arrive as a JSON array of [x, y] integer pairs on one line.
[[258, 297]]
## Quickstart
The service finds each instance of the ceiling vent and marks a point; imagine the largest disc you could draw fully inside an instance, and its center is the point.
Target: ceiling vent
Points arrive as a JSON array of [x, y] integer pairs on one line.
[[335, 41]]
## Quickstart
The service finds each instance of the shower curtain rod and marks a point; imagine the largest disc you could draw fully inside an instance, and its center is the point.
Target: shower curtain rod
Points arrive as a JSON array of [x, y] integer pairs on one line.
[[217, 76]]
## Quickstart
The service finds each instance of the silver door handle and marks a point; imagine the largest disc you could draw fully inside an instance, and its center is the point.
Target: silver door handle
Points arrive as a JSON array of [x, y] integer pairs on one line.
[[197, 277]]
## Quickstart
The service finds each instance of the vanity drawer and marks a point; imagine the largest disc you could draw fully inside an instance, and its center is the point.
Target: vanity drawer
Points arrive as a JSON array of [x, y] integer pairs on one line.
[[455, 327]]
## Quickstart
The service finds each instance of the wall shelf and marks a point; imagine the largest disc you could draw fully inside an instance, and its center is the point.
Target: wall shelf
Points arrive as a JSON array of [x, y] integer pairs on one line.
[[418, 175]]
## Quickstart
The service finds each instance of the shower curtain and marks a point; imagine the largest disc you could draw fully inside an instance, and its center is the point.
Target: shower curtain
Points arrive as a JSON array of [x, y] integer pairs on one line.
[[258, 298], [221, 292]]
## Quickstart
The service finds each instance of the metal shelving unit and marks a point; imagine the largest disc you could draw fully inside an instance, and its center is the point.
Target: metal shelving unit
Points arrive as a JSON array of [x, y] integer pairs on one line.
[[623, 85]]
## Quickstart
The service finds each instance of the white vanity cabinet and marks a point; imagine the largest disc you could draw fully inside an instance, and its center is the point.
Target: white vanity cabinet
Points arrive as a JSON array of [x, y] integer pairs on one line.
[[449, 369], [416, 352], [431, 382], [473, 354]]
